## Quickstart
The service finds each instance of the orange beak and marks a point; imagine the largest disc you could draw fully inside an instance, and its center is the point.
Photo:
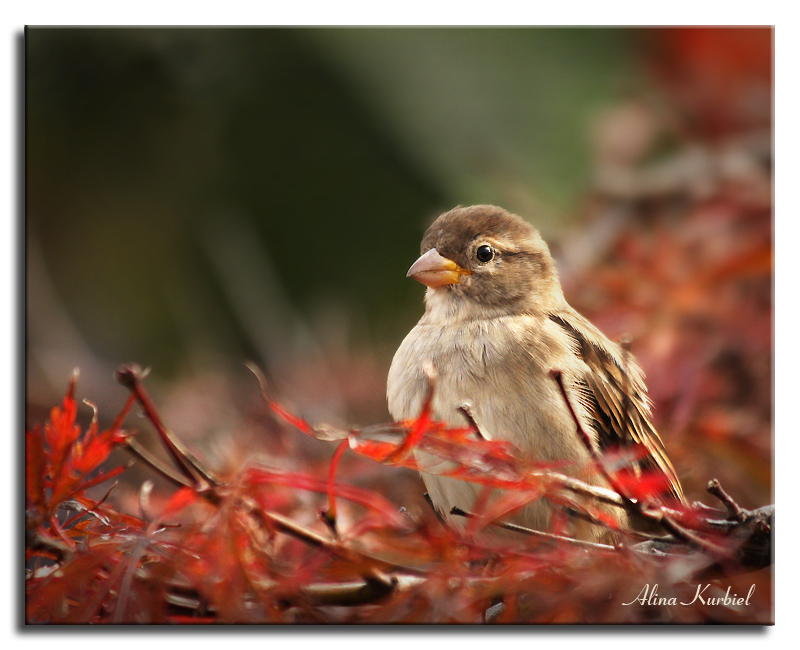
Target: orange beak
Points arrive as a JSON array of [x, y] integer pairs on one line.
[[433, 270]]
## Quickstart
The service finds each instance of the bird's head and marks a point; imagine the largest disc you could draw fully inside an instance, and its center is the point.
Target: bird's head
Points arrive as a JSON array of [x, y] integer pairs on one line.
[[485, 258]]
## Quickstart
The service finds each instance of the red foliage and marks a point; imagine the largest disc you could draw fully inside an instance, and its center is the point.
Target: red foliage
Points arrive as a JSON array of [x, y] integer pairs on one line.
[[60, 461], [245, 550], [720, 77], [680, 256]]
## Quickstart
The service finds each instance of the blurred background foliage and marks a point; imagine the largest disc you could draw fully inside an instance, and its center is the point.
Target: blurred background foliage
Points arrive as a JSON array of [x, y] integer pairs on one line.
[[200, 197], [206, 195]]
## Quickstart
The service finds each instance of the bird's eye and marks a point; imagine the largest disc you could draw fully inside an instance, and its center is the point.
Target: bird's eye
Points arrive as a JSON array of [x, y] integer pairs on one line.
[[484, 253]]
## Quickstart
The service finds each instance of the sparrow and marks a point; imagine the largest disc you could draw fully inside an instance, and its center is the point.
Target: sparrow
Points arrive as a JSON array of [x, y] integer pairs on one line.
[[495, 324]]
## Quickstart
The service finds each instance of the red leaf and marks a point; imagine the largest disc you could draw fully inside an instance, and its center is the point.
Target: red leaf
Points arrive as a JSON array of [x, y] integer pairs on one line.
[[35, 469], [371, 500], [646, 487], [182, 499]]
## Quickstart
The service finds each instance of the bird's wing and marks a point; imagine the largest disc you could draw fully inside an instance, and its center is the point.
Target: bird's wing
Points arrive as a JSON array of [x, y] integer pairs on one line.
[[617, 397]]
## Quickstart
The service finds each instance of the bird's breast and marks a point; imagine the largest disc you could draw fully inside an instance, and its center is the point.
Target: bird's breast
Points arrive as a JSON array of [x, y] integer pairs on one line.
[[498, 367]]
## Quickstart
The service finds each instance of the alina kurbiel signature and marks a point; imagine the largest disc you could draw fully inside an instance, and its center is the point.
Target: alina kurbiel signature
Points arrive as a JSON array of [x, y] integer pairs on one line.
[[648, 596]]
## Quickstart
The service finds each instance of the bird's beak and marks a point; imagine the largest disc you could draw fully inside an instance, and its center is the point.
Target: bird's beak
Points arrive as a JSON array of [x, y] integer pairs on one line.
[[433, 270]]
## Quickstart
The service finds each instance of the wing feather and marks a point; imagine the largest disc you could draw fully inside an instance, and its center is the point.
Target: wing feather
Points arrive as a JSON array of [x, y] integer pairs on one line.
[[617, 397]]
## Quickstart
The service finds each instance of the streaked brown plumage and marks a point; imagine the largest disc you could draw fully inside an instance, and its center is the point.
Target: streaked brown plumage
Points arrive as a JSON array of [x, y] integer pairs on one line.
[[496, 322]]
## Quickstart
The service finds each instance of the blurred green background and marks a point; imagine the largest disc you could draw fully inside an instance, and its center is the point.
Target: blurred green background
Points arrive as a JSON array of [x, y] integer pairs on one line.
[[198, 197]]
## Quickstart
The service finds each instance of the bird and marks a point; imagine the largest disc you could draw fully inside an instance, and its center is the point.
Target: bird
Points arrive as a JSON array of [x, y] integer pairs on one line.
[[496, 323]]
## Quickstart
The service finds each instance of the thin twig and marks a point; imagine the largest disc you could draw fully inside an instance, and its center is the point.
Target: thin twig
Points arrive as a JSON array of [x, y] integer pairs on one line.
[[466, 411], [577, 486], [312, 538], [683, 534], [166, 471], [537, 533], [131, 377], [735, 512], [438, 514], [596, 521], [357, 592], [586, 439]]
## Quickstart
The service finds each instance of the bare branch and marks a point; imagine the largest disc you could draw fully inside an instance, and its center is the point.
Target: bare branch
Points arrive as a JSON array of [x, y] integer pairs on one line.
[[131, 377], [538, 533], [167, 472], [734, 511]]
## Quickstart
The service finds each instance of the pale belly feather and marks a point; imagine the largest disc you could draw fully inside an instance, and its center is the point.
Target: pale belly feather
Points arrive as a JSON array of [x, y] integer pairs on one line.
[[495, 367]]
